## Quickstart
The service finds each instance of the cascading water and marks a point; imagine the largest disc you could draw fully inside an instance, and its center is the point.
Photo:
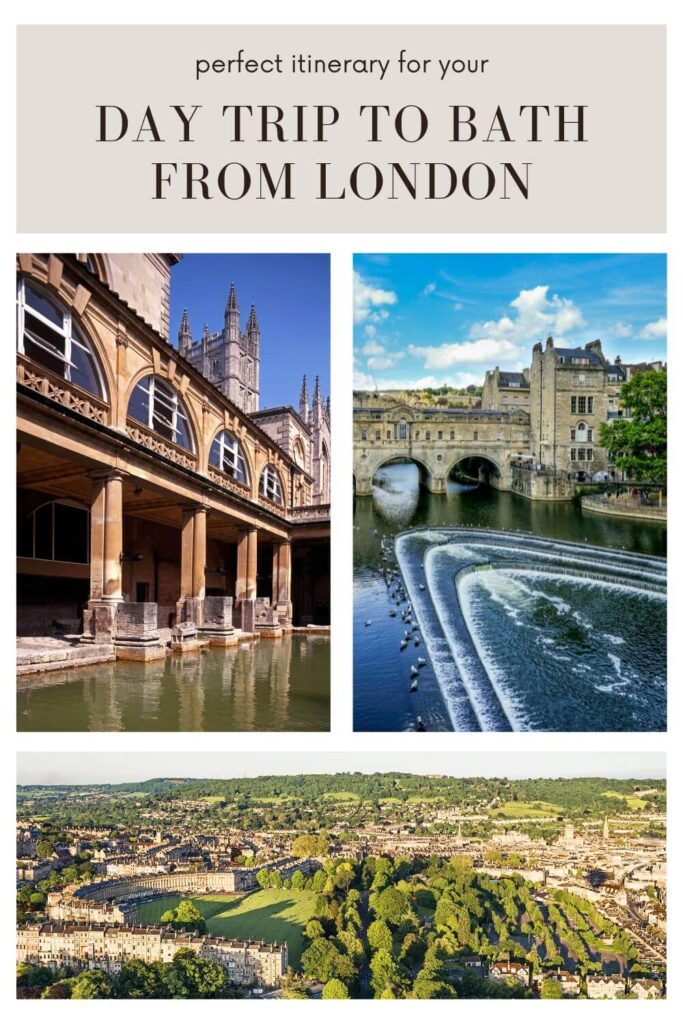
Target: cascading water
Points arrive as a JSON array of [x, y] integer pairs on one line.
[[530, 633]]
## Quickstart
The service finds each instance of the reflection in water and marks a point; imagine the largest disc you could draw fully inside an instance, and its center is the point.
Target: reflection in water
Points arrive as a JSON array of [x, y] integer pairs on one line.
[[382, 697], [269, 685]]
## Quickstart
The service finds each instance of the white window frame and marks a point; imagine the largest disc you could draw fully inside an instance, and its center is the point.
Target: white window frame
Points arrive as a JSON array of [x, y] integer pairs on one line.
[[269, 485], [229, 446], [173, 405], [66, 331]]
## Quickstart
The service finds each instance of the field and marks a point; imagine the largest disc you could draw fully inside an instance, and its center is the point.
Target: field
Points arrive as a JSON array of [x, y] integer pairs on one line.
[[518, 809], [634, 802], [269, 914]]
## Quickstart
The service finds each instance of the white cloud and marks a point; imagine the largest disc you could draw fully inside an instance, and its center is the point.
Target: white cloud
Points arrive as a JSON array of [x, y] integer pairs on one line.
[[370, 330], [484, 350], [372, 348], [536, 316], [366, 382], [621, 330], [368, 300], [380, 362], [655, 329], [429, 288]]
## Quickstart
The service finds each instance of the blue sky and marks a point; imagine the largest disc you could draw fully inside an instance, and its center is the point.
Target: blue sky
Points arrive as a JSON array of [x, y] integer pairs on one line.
[[291, 294], [425, 320]]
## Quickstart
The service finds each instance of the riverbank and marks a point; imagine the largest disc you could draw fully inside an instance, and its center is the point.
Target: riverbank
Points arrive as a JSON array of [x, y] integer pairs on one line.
[[624, 505]]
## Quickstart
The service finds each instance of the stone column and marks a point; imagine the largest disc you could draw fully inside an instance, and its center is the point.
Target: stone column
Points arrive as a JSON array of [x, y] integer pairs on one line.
[[192, 565], [106, 543], [282, 581], [113, 538], [247, 547]]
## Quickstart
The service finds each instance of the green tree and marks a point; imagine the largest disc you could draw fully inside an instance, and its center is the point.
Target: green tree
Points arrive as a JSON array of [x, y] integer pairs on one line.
[[58, 990], [311, 846], [551, 989], [185, 917], [139, 980], [391, 905], [638, 445], [322, 961], [335, 989], [44, 848], [384, 973], [93, 985], [380, 936]]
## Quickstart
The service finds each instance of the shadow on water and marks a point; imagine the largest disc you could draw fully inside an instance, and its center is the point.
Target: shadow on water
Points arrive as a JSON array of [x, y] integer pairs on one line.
[[382, 697], [271, 685]]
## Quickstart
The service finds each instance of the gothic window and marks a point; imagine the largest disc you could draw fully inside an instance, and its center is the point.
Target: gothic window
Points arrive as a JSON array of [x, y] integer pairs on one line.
[[582, 454], [402, 430], [299, 454], [227, 455], [582, 405], [572, 433], [590, 405], [215, 368], [57, 531], [269, 485], [589, 454], [47, 334], [323, 472], [572, 455], [590, 433], [155, 404], [573, 405], [581, 432]]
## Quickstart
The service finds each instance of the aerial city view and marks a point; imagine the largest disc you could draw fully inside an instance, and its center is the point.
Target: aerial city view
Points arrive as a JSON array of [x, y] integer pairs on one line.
[[173, 481], [471, 876], [509, 431]]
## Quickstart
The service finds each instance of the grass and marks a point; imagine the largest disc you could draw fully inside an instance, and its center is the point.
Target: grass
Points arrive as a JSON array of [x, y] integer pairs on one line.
[[634, 802], [519, 809], [272, 915]]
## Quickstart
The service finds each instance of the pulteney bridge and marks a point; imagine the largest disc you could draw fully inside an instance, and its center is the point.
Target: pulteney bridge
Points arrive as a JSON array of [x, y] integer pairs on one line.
[[436, 440]]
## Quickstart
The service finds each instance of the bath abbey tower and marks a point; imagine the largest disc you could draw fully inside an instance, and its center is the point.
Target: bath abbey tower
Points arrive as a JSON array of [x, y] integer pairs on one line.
[[231, 358]]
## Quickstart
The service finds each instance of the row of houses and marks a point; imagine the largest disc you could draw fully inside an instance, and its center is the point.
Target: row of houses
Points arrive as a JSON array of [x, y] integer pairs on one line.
[[81, 946], [598, 986]]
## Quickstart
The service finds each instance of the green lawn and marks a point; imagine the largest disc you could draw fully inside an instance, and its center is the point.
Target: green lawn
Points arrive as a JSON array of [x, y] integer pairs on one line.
[[519, 809], [634, 802], [273, 915]]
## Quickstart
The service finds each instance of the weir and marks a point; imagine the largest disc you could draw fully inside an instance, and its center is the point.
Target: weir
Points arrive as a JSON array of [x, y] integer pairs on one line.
[[526, 633]]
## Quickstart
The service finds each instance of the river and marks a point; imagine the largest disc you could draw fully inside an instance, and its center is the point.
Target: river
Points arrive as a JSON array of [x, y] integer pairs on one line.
[[537, 629]]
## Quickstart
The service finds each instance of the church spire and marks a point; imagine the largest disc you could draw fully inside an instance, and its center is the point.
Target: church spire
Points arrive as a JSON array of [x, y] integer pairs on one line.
[[316, 391], [184, 334], [232, 303], [252, 322], [303, 400], [232, 316]]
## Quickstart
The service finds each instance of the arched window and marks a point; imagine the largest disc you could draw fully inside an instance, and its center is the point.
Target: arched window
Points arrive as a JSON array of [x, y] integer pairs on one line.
[[58, 531], [324, 471], [581, 432], [155, 404], [402, 430], [269, 485], [299, 453], [47, 334], [227, 455]]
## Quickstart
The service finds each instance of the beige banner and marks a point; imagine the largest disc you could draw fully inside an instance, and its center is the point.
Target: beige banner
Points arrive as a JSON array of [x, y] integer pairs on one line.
[[384, 128]]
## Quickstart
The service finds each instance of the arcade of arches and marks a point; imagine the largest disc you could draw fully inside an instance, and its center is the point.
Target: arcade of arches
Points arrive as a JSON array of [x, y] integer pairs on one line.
[[146, 499]]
